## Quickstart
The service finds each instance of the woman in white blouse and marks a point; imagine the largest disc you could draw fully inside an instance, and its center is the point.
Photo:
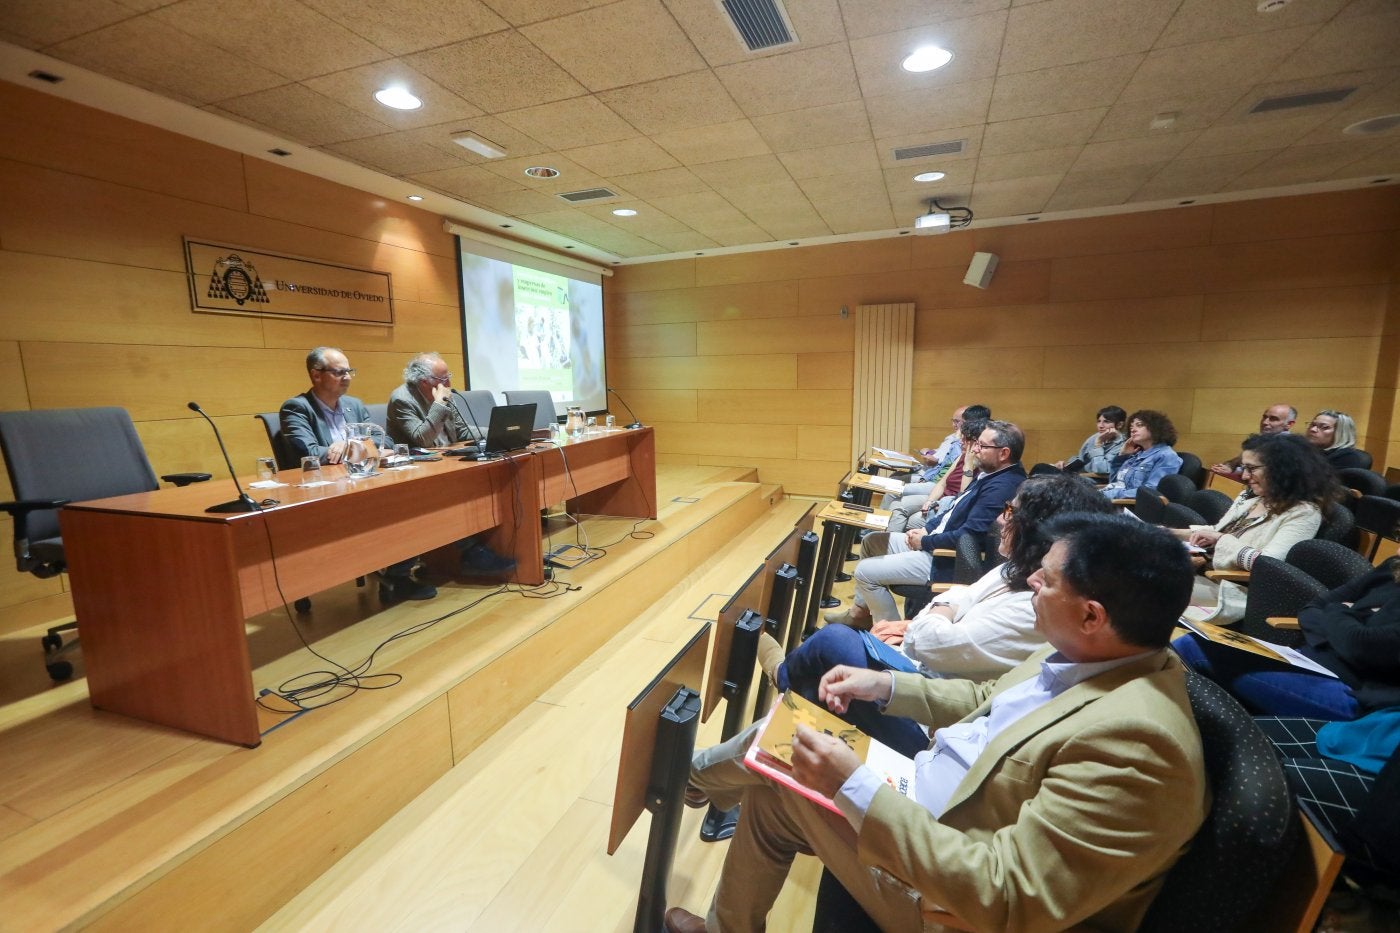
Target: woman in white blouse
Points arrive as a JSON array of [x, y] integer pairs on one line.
[[1287, 485], [978, 631]]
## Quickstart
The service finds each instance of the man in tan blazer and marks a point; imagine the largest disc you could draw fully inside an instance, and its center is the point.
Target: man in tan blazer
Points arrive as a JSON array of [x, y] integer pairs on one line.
[[1060, 794]]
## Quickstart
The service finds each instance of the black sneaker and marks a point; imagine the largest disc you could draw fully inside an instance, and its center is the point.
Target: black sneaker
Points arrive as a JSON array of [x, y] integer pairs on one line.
[[397, 589], [481, 560]]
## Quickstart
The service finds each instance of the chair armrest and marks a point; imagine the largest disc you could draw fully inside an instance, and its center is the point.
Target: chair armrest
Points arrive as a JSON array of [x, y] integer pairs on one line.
[[185, 479], [941, 587], [1236, 576], [22, 507], [944, 552], [1124, 503], [1284, 623]]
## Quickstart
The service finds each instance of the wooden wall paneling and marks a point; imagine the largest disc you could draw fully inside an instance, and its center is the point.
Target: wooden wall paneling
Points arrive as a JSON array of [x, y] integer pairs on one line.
[[1311, 262], [825, 370], [776, 406], [652, 340], [16, 587], [1364, 210], [1015, 283], [658, 405], [960, 368], [47, 298], [1332, 311], [14, 396], [822, 441], [951, 250], [1092, 329], [1060, 409], [715, 302], [417, 327], [830, 293], [884, 358], [185, 444], [773, 265], [769, 371], [749, 441], [242, 878], [1129, 275], [44, 130], [653, 276], [1121, 233], [1236, 410], [1341, 361], [764, 335]]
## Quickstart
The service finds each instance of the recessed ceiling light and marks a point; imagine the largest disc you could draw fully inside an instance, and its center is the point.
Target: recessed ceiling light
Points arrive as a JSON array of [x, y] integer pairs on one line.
[[927, 59], [929, 176], [398, 98], [542, 171], [625, 212], [478, 144], [415, 197], [1374, 126]]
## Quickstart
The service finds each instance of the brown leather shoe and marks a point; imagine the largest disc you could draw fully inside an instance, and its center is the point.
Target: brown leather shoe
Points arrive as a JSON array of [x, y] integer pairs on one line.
[[679, 920], [695, 797]]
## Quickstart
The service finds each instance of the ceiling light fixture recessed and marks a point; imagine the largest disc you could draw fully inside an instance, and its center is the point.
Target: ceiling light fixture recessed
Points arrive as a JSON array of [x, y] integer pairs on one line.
[[48, 77], [930, 176], [625, 212], [542, 171], [928, 58], [1374, 126], [482, 147], [415, 197], [398, 98]]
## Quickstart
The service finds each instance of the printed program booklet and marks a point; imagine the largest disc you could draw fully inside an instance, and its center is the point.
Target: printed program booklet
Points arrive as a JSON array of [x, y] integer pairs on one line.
[[1280, 653], [771, 751]]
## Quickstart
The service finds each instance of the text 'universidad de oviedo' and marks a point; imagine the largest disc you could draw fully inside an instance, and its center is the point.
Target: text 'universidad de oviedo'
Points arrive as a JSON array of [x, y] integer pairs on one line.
[[354, 294]]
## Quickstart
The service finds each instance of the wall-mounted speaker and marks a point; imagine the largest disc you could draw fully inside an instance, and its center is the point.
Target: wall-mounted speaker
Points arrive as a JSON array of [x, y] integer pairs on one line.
[[981, 270]]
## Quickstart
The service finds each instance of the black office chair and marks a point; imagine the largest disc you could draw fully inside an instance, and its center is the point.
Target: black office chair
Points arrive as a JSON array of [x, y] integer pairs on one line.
[[1339, 525], [379, 414], [1284, 587], [1380, 516], [1210, 504], [1176, 515], [544, 404], [475, 407], [1236, 857], [65, 455], [1149, 505], [1191, 468], [1045, 469], [1363, 481], [1176, 487]]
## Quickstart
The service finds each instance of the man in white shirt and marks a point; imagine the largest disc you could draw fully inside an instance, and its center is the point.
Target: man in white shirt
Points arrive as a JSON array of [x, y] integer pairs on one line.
[[1036, 806]]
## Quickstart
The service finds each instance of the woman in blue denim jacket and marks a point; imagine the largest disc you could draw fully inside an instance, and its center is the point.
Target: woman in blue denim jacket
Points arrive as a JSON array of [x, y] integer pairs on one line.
[[1147, 457]]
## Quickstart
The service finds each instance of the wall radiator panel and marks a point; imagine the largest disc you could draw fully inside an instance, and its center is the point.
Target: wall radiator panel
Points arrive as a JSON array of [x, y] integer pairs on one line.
[[884, 377]]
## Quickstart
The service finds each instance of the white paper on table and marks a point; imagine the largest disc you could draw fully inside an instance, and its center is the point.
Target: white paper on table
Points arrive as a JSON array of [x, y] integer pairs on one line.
[[265, 484], [885, 483], [891, 453], [319, 482], [878, 521]]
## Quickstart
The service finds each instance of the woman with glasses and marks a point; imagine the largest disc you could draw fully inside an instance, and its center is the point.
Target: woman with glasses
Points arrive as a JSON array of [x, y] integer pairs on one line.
[[1146, 457], [1287, 485], [978, 631], [1334, 434]]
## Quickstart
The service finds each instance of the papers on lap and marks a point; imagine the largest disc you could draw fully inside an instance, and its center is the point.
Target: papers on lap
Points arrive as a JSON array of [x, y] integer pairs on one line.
[[1280, 653], [771, 751]]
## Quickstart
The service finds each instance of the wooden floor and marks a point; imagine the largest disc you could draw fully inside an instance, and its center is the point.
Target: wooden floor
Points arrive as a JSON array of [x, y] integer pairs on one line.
[[355, 816]]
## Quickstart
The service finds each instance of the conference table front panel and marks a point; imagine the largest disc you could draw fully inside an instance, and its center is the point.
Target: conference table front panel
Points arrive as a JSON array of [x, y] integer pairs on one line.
[[607, 473]]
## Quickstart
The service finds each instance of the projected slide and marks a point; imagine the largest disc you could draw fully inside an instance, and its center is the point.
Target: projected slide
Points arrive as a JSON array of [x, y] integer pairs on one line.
[[532, 324]]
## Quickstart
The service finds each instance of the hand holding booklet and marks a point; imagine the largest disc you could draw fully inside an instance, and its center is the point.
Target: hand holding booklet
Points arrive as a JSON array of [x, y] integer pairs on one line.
[[771, 752]]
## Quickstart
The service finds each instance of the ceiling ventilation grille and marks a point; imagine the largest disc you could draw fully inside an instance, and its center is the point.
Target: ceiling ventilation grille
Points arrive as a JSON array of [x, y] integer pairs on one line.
[[1310, 99], [588, 194], [762, 24], [955, 147]]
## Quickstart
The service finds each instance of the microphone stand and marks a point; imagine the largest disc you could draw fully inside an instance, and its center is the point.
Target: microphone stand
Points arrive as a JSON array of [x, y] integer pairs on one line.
[[462, 422], [636, 422], [244, 502]]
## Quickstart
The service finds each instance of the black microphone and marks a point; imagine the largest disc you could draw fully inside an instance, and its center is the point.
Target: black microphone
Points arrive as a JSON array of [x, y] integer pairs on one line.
[[636, 422], [244, 502], [472, 433]]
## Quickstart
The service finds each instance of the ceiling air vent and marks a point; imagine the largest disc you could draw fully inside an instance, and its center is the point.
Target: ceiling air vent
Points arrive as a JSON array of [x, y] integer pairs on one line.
[[954, 147], [1310, 99], [588, 194], [762, 24]]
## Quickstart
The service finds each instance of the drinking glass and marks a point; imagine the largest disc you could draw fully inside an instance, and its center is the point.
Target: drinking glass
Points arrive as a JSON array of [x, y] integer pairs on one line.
[[267, 468], [402, 455], [310, 470]]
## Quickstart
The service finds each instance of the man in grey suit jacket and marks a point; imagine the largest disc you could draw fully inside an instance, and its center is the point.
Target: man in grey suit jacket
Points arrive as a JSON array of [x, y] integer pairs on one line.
[[1060, 794]]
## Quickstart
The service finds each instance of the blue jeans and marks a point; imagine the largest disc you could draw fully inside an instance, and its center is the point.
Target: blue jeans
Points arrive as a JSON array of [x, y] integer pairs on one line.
[[840, 644], [1265, 687]]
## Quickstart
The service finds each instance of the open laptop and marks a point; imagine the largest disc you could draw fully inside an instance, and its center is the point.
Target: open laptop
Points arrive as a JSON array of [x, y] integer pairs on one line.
[[510, 428]]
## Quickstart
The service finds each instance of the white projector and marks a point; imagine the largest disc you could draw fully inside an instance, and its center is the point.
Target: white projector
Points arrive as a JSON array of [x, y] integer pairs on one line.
[[933, 222]]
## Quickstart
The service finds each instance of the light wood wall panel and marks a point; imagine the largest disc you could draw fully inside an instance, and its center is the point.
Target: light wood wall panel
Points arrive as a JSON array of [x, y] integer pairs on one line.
[[94, 302], [1208, 313]]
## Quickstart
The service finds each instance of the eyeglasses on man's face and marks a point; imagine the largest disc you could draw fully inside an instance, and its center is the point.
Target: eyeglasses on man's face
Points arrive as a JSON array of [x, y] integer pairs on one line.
[[337, 372], [986, 446]]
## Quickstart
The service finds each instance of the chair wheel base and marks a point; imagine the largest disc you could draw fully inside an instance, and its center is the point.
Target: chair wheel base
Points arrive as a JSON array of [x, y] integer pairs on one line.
[[303, 605], [51, 642], [59, 670]]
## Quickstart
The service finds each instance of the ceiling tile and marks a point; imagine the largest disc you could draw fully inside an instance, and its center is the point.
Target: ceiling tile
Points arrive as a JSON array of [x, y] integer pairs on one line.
[[815, 126], [1201, 69], [521, 12], [974, 41], [814, 22], [1064, 32], [676, 103], [1150, 150], [302, 45], [394, 155], [702, 144], [648, 221], [792, 81], [852, 186], [1346, 44], [1061, 89], [491, 129], [1239, 112], [1201, 20], [742, 173], [503, 71], [660, 183], [152, 54], [1378, 94], [1013, 196], [466, 181], [1074, 199], [1302, 164], [39, 23], [855, 217], [740, 235], [616, 45], [402, 26], [622, 158], [703, 208], [572, 176], [831, 160], [683, 242], [303, 116], [1026, 164], [1109, 180], [580, 121], [956, 174], [520, 203], [1131, 118], [1249, 136], [1049, 132], [1193, 178], [954, 105], [872, 17], [969, 136], [1385, 161], [355, 89]]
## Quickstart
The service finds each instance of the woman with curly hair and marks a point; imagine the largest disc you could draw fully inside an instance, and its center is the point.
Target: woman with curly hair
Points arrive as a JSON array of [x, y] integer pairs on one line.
[[978, 631], [1147, 456]]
